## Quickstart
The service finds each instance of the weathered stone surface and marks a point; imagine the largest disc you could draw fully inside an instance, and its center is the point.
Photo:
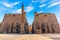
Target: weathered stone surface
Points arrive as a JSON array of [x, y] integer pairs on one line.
[[45, 23], [14, 23], [17, 23]]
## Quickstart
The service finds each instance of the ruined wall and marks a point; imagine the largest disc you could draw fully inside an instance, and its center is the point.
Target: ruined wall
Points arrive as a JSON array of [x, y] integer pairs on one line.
[[45, 23]]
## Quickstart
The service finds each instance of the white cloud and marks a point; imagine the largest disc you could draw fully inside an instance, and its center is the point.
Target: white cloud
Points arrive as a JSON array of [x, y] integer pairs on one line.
[[40, 11], [29, 8], [41, 1], [34, 0], [42, 5], [19, 11], [53, 4], [10, 5], [52, 1]]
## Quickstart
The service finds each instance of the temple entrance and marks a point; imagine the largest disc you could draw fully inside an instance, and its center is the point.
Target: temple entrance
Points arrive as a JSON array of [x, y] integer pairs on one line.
[[43, 28]]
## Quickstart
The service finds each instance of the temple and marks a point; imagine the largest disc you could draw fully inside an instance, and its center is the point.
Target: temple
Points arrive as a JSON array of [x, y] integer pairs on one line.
[[45, 23], [15, 23]]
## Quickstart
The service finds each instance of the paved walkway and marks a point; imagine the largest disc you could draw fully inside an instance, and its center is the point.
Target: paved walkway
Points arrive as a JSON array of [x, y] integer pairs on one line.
[[23, 37]]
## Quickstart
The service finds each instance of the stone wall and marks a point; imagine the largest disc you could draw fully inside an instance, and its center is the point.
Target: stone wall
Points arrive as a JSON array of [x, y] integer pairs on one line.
[[15, 23], [12, 24], [45, 23]]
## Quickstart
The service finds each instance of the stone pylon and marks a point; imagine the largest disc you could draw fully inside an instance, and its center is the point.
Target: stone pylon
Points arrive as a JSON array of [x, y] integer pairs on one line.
[[45, 23], [15, 23]]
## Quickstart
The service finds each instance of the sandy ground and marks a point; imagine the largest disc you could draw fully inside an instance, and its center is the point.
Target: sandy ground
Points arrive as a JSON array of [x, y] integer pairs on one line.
[[23, 37], [52, 36]]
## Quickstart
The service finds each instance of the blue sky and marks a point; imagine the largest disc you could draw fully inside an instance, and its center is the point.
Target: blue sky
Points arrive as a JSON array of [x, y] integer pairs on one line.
[[14, 7]]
